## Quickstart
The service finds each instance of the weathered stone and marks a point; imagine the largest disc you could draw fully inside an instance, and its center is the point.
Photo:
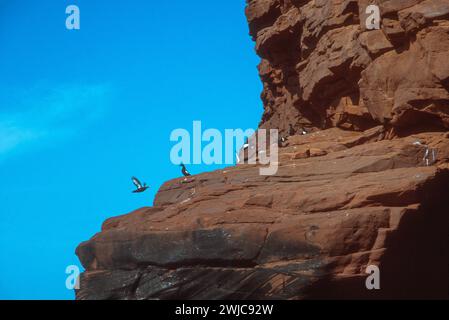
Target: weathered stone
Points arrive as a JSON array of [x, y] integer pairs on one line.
[[318, 222], [318, 59]]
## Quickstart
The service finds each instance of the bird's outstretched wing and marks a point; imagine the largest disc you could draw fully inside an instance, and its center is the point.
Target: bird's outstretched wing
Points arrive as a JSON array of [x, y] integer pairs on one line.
[[136, 182]]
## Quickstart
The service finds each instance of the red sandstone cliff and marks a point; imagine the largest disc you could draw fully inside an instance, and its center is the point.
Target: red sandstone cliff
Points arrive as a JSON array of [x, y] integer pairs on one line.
[[353, 192], [321, 68]]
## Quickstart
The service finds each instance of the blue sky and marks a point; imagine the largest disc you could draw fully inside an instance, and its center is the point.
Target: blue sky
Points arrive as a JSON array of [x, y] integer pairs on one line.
[[81, 111]]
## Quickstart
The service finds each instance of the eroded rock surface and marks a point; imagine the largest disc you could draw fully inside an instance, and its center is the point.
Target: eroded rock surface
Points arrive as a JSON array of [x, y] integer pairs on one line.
[[321, 68], [308, 231]]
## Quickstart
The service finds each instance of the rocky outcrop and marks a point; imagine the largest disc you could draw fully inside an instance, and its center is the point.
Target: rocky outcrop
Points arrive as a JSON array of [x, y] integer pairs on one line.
[[368, 185], [321, 68], [309, 231]]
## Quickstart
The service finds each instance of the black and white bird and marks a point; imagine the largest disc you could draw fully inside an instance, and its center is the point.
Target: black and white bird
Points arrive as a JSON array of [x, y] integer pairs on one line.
[[184, 170], [139, 186], [281, 141]]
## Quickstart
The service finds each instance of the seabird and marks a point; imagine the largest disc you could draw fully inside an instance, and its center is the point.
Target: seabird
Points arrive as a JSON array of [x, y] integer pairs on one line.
[[139, 187], [184, 170], [281, 141]]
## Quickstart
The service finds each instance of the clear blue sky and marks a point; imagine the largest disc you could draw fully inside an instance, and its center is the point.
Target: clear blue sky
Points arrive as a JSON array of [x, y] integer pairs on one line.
[[82, 111]]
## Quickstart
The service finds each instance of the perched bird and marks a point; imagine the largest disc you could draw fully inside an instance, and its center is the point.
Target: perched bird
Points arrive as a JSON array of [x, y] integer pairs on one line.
[[139, 187], [281, 141], [184, 170]]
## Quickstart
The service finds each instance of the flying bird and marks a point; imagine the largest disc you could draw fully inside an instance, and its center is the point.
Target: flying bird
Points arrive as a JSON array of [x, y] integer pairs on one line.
[[184, 170], [139, 187]]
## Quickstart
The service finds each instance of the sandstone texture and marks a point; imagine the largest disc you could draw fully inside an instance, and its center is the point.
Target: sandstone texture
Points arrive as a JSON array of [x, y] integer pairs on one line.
[[321, 68], [367, 185], [309, 231]]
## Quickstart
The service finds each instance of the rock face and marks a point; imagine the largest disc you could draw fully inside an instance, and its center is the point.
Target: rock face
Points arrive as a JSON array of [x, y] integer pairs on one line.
[[309, 231], [368, 185], [321, 68]]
